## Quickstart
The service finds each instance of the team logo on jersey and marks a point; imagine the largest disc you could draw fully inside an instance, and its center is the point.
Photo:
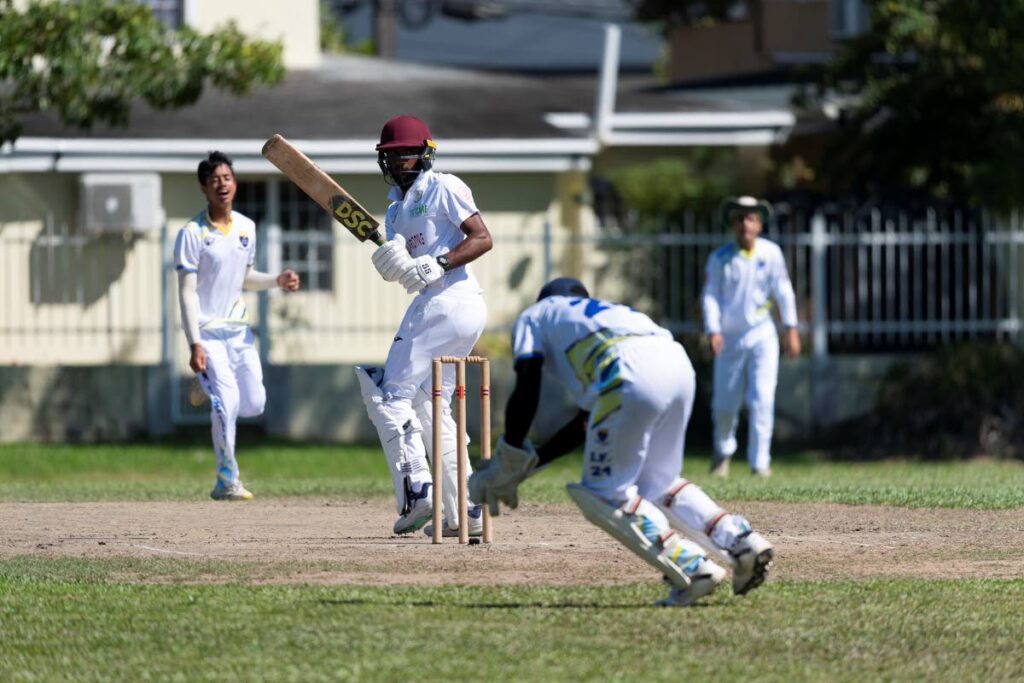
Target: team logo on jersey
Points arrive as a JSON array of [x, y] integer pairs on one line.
[[418, 210], [244, 239], [602, 435], [208, 240], [417, 196], [762, 263]]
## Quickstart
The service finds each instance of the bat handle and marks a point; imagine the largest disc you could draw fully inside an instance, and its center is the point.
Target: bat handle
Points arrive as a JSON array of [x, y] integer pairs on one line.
[[378, 238]]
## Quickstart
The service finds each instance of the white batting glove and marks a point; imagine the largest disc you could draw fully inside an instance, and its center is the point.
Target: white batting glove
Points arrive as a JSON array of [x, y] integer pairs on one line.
[[419, 273], [391, 259], [497, 480]]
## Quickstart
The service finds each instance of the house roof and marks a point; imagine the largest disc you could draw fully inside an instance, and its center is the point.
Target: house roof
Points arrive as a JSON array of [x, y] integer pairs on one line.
[[481, 120]]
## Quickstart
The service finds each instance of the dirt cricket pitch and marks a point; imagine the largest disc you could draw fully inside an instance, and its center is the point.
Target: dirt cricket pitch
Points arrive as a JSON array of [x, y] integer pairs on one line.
[[349, 542]]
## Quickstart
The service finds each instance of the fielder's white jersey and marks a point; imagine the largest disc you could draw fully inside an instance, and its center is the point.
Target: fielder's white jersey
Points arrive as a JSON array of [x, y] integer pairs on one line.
[[739, 286], [220, 259], [429, 216], [578, 339]]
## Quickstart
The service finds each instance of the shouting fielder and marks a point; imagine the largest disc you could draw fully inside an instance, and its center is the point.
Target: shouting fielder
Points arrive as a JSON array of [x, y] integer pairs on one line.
[[214, 255], [434, 230], [634, 385]]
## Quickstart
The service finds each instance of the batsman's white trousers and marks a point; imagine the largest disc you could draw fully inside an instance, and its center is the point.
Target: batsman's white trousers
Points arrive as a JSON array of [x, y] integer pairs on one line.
[[234, 382], [447, 323], [748, 365]]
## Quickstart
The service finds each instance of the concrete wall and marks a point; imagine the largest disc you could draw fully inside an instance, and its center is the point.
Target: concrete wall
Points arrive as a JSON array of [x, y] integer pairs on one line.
[[87, 300], [738, 48], [295, 23]]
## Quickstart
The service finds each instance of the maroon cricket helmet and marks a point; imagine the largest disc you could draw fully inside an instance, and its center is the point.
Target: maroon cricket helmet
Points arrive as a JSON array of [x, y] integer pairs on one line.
[[405, 131]]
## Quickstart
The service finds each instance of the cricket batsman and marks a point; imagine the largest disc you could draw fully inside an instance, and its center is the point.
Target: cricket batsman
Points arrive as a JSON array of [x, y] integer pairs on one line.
[[434, 231], [742, 279], [634, 386], [214, 255]]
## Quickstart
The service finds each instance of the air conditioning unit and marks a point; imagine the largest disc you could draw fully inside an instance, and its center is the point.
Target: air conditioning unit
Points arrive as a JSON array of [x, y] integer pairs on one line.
[[120, 202]]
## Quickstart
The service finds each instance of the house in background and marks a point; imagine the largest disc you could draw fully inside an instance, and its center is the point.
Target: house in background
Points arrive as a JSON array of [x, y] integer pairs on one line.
[[90, 295]]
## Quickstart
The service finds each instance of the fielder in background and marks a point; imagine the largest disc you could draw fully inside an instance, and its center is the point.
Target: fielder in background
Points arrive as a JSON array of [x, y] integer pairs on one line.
[[214, 255], [742, 279], [634, 386], [434, 231]]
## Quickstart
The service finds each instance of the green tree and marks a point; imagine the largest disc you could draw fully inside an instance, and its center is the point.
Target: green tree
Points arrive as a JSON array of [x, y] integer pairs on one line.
[[933, 100], [88, 61]]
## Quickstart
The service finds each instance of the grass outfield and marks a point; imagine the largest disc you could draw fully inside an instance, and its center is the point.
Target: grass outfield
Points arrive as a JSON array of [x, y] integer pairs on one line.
[[77, 622], [34, 472], [160, 618]]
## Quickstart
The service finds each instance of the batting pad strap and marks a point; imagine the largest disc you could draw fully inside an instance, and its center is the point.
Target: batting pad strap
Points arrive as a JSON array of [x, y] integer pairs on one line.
[[714, 521]]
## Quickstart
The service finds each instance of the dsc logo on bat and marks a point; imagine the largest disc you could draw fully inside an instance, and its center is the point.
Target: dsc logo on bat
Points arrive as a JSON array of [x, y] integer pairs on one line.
[[355, 220]]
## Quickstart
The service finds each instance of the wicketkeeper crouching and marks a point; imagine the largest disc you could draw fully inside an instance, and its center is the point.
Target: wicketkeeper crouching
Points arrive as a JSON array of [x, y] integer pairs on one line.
[[634, 385]]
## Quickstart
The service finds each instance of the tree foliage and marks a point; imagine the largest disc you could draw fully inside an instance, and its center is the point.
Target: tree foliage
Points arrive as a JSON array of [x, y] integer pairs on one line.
[[88, 61], [934, 96]]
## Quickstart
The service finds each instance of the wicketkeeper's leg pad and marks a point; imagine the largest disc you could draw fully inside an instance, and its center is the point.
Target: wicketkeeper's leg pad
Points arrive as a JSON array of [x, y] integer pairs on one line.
[[642, 527]]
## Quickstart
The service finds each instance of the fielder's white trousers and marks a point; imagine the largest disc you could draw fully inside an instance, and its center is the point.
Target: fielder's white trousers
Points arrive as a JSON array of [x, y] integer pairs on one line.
[[234, 382], [448, 323], [748, 366]]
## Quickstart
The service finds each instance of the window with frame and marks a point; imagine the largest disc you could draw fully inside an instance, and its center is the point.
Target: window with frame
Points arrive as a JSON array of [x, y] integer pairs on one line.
[[307, 236], [170, 12]]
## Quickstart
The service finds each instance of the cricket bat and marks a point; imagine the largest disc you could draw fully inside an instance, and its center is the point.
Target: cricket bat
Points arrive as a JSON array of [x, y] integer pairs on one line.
[[323, 190]]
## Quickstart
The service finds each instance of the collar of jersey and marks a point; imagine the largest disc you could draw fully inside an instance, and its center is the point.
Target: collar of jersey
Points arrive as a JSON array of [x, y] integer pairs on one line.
[[396, 192], [214, 226], [747, 253]]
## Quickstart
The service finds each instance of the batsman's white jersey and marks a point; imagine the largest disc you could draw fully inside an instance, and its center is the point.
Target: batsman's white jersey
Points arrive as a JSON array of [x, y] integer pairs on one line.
[[220, 258], [445, 319], [738, 293], [233, 379], [633, 378], [428, 216]]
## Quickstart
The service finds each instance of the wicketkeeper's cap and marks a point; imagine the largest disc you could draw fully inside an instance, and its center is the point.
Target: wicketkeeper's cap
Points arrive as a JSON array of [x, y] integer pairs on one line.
[[746, 204], [563, 286], [405, 131]]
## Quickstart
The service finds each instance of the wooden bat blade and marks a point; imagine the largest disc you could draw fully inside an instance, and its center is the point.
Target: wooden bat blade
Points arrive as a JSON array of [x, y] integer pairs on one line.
[[323, 189]]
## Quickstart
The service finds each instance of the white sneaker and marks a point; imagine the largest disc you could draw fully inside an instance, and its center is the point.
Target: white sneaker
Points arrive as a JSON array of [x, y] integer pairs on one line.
[[418, 510], [720, 466], [753, 555], [764, 472], [236, 491], [703, 581], [476, 525]]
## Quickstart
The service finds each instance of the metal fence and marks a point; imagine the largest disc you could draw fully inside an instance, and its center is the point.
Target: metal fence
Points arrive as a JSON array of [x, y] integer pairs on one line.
[[866, 281]]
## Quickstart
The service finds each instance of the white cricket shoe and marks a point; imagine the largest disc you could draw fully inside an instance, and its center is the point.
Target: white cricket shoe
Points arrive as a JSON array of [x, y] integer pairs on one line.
[[236, 491], [476, 525], [753, 555], [703, 581], [418, 510], [720, 466]]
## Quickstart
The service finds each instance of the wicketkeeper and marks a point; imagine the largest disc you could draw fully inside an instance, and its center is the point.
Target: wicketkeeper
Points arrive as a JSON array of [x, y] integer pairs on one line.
[[434, 231], [742, 279], [634, 386]]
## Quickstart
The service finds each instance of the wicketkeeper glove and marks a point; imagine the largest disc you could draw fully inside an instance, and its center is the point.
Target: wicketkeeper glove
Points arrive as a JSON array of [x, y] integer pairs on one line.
[[422, 271], [391, 259], [497, 480]]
